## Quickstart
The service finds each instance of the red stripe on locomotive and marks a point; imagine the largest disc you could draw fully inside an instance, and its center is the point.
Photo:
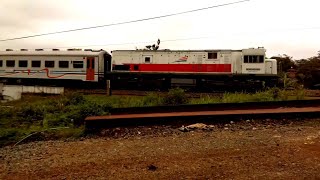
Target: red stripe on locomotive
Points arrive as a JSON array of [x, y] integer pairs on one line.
[[181, 67]]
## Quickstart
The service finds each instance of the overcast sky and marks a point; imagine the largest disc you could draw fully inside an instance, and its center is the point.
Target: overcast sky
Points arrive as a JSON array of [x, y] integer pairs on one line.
[[281, 26]]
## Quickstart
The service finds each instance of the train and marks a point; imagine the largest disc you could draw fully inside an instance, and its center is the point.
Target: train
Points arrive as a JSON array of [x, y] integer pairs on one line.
[[140, 68]]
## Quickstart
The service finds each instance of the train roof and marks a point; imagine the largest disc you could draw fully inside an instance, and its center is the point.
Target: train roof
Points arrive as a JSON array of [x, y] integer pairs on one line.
[[168, 50], [53, 53], [195, 50]]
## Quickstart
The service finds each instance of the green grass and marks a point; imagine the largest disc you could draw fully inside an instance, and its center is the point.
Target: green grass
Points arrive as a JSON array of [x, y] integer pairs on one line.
[[45, 114]]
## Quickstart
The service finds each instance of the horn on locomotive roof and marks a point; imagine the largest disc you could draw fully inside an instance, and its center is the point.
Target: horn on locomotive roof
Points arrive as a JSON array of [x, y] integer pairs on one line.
[[9, 49], [39, 49], [55, 49], [23, 49]]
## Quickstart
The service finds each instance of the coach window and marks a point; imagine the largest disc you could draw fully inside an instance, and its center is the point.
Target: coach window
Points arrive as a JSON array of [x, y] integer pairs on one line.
[[36, 63], [213, 55], [23, 63], [49, 64], [1, 63], [77, 64], [63, 64], [10, 63]]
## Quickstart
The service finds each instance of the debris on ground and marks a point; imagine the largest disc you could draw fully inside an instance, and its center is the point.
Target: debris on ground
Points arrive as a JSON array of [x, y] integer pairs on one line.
[[197, 126]]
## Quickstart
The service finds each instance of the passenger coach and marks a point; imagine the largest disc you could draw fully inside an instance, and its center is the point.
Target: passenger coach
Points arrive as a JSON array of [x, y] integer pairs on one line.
[[63, 66]]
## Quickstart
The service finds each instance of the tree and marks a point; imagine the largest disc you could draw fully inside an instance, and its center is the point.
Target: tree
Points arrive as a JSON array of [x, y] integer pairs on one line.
[[284, 62], [309, 70]]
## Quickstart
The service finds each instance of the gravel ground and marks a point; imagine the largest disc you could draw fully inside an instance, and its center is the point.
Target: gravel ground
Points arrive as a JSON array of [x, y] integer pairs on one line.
[[241, 150]]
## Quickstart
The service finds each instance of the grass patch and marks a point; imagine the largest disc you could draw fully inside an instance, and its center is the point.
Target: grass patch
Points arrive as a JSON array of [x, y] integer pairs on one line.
[[47, 114]]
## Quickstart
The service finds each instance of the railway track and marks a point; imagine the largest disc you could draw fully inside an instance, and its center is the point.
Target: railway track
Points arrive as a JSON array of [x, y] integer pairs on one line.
[[206, 112]]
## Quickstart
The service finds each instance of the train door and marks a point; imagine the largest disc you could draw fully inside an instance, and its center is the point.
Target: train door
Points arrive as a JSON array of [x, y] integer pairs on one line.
[[90, 69], [268, 67]]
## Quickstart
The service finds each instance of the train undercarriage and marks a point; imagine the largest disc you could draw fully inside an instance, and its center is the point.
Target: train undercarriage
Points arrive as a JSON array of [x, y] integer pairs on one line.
[[192, 82], [161, 82]]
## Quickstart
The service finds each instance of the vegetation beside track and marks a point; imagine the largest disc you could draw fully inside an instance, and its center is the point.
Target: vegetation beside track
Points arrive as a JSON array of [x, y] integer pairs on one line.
[[58, 117]]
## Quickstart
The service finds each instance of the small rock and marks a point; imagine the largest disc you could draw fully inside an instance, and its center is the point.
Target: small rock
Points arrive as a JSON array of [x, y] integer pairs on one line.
[[139, 132], [226, 128], [183, 129], [231, 122], [254, 128], [211, 126], [248, 121], [152, 167]]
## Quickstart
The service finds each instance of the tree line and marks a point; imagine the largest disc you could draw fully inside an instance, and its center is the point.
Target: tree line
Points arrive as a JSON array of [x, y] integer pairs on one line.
[[307, 71]]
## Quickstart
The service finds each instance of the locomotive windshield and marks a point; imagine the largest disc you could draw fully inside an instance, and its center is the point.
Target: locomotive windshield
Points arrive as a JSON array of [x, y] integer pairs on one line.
[[253, 59]]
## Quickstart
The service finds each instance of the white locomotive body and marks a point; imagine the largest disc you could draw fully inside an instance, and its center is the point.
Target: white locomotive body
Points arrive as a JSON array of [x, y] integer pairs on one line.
[[245, 61]]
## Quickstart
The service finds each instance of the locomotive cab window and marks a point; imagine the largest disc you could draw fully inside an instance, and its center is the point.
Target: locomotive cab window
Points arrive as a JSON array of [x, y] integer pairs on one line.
[[49, 64], [10, 63], [253, 59], [77, 64], [212, 55], [23, 63], [36, 64], [1, 63], [63, 64]]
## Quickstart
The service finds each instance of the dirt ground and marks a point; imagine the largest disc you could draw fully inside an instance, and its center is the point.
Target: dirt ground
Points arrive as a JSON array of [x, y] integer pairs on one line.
[[241, 150]]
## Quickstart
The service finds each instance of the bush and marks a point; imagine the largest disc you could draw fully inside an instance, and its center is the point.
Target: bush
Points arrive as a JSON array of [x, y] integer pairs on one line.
[[30, 114], [275, 92], [75, 99], [152, 99], [79, 113], [175, 96], [10, 135], [6, 112]]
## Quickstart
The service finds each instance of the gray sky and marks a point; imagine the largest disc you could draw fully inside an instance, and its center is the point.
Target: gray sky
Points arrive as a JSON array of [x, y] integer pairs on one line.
[[281, 26]]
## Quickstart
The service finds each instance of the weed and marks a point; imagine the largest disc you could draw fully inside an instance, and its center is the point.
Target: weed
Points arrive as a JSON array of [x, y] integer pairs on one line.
[[175, 96]]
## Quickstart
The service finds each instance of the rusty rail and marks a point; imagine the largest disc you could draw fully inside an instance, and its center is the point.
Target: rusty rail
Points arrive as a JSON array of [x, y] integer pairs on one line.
[[203, 113]]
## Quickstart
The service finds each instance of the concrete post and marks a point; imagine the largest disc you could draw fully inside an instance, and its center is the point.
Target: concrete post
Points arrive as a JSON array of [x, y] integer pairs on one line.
[[108, 87]]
